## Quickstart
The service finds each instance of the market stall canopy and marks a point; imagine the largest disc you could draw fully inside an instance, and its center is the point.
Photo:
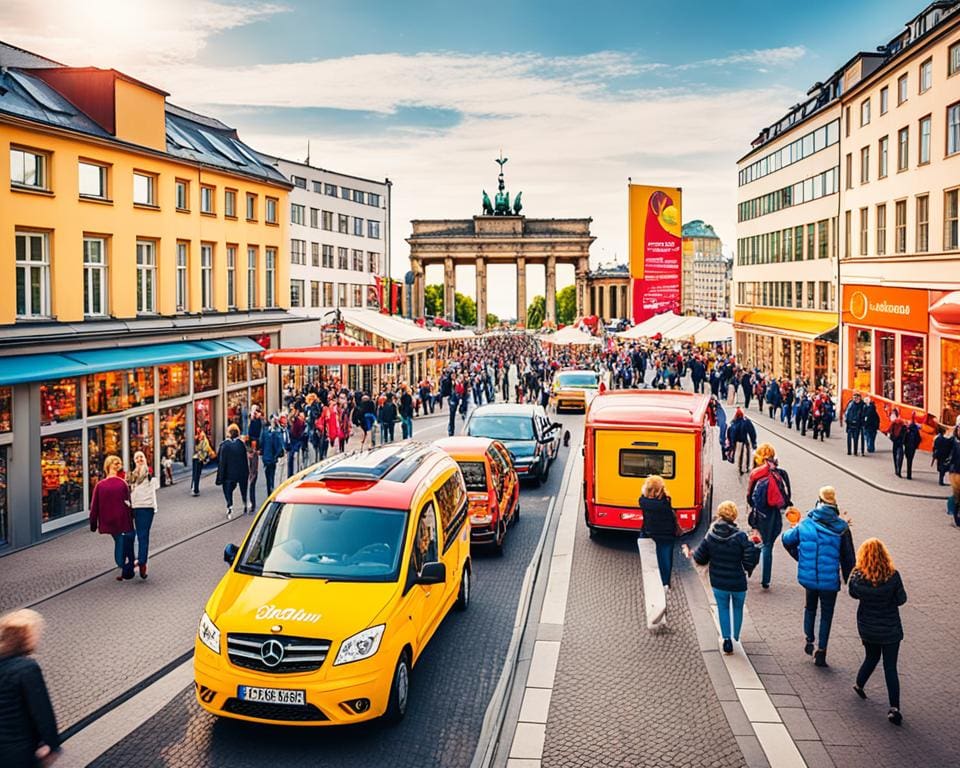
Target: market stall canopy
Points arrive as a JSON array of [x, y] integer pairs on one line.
[[340, 354], [688, 326], [717, 330], [397, 330], [805, 324], [570, 336], [652, 325], [947, 310]]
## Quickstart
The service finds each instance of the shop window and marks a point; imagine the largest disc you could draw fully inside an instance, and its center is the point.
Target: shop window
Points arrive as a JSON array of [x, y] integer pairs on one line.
[[205, 375], [950, 387], [203, 418], [59, 401], [102, 441], [236, 369], [174, 380], [258, 368], [912, 370], [6, 410], [140, 437], [114, 391], [258, 396], [886, 365], [3, 496], [173, 434], [61, 475], [237, 408], [862, 360]]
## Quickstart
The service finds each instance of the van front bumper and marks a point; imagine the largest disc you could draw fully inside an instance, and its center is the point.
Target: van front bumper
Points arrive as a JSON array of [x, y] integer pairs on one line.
[[217, 683]]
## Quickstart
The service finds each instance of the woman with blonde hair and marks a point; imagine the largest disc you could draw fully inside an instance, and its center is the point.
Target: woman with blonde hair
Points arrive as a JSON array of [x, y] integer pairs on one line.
[[111, 513], [659, 524], [879, 588], [28, 728], [143, 499]]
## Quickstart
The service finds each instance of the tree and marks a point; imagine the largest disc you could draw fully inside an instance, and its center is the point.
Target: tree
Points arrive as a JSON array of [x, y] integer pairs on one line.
[[492, 320], [536, 312], [567, 305], [433, 300], [466, 309]]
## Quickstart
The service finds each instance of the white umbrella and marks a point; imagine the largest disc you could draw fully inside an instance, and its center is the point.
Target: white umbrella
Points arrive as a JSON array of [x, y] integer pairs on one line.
[[571, 336], [688, 326], [718, 330]]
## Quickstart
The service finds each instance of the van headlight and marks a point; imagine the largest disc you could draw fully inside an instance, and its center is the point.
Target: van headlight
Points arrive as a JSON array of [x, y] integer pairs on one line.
[[209, 634], [361, 645]]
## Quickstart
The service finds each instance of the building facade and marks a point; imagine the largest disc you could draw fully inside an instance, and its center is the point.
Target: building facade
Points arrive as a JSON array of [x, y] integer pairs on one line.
[[608, 292], [141, 252], [704, 288], [900, 266], [784, 289]]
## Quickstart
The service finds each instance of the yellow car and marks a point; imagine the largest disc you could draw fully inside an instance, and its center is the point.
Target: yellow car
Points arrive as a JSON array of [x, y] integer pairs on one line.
[[339, 585], [574, 389]]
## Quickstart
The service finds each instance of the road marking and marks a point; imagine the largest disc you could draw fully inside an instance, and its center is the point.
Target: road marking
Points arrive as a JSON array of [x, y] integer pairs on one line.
[[654, 595]]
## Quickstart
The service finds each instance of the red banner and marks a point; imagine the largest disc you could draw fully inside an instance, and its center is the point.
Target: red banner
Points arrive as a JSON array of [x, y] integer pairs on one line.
[[656, 252]]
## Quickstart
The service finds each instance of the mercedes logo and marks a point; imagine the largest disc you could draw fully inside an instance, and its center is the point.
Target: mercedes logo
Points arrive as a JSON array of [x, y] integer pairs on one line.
[[271, 652]]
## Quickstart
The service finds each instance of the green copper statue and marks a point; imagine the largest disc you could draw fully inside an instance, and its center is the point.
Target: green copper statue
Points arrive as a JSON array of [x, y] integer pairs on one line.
[[487, 205], [501, 204]]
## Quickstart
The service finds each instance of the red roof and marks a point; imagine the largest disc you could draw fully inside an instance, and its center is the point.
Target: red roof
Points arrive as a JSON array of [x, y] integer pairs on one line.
[[666, 408]]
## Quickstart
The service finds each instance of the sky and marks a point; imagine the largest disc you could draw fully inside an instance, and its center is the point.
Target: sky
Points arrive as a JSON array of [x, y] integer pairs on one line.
[[580, 96]]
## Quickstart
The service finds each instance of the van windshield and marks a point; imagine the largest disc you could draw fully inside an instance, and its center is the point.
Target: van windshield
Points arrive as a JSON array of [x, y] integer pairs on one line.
[[501, 427], [579, 379], [326, 541], [474, 475]]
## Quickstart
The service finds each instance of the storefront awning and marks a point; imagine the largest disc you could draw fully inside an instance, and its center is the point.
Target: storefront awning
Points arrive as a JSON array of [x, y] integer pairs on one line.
[[346, 354], [20, 369], [788, 322]]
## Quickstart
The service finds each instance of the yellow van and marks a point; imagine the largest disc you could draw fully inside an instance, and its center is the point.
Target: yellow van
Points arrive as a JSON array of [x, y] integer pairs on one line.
[[344, 576]]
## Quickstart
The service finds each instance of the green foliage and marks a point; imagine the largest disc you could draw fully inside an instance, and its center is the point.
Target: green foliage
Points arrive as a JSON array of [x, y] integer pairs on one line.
[[536, 312], [466, 309], [492, 320], [567, 305], [433, 300]]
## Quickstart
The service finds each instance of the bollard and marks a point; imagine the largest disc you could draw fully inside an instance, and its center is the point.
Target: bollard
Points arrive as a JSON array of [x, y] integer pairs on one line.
[[654, 597]]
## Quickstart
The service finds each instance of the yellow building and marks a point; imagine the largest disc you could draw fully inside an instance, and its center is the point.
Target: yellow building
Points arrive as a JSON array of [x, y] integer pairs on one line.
[[142, 254]]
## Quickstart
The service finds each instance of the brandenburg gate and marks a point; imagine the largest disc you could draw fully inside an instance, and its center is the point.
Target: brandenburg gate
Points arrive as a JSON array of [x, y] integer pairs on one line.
[[500, 235]]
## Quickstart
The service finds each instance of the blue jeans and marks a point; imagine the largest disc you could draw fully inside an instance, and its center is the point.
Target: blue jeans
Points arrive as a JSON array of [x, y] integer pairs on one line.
[[827, 600], [766, 561], [142, 520], [726, 601], [870, 436], [665, 560], [196, 469], [292, 450], [270, 473], [123, 552], [406, 425], [853, 440]]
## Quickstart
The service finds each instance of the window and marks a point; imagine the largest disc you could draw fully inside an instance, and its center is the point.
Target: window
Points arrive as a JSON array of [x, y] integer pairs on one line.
[[182, 189], [848, 234], [231, 277], [328, 294], [298, 251], [251, 277], [251, 207], [358, 196], [318, 188], [144, 189], [146, 276], [865, 112], [810, 233], [342, 294], [94, 276], [299, 181], [798, 243], [297, 213], [206, 276], [92, 180], [345, 193], [924, 156], [271, 277], [207, 195], [902, 84], [183, 284], [865, 165], [881, 229], [900, 224], [882, 157], [330, 189], [923, 223], [342, 258], [864, 235], [33, 274], [271, 213], [343, 224], [314, 293], [953, 129], [230, 203], [846, 122], [357, 297], [28, 168], [328, 256], [926, 75], [903, 149], [373, 229], [296, 293], [357, 263], [884, 100], [951, 236], [953, 59], [373, 199], [328, 221], [824, 294], [373, 261], [848, 168], [315, 218], [315, 254], [823, 240], [358, 226]]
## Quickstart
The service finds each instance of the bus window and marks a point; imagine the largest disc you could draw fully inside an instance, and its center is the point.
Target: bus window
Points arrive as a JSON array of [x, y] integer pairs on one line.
[[643, 463]]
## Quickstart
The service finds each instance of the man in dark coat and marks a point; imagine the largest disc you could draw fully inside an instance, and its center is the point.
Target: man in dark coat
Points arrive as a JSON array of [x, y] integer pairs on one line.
[[853, 419], [233, 469], [871, 423], [942, 451]]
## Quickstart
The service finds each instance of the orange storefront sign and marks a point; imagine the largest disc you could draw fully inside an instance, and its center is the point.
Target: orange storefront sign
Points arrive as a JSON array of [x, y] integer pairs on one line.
[[874, 306]]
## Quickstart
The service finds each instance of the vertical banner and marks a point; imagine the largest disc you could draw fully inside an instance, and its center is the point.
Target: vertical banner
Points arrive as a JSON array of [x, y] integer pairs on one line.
[[656, 258]]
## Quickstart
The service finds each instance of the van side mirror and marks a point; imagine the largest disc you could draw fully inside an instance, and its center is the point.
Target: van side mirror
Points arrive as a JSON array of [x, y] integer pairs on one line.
[[230, 553], [432, 573], [556, 425]]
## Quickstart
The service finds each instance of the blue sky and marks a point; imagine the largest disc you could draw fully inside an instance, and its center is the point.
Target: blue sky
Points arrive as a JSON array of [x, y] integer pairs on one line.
[[579, 95]]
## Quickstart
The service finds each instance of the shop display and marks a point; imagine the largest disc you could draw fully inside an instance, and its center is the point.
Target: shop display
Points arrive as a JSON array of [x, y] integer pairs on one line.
[[102, 441], [237, 408], [258, 396], [59, 401], [3, 495], [139, 389], [236, 369], [258, 368], [174, 380], [862, 360], [6, 409], [950, 388], [61, 475], [203, 418], [205, 375], [140, 437], [886, 384], [173, 434], [912, 370]]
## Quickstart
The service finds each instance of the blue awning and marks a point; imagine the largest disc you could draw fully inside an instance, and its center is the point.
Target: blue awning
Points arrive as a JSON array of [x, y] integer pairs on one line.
[[20, 369]]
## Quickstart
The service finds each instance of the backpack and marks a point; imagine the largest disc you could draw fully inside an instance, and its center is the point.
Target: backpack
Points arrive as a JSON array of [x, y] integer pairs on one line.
[[769, 493]]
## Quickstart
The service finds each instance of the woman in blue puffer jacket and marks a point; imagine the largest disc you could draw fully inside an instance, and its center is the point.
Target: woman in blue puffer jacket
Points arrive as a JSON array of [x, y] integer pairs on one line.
[[823, 548]]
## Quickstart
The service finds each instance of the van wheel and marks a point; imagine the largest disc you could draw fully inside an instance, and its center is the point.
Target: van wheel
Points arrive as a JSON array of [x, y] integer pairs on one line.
[[592, 532], [399, 691], [463, 596], [516, 514], [499, 540]]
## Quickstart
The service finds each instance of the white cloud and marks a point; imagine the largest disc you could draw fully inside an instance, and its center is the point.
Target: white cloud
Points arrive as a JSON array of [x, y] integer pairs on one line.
[[764, 57]]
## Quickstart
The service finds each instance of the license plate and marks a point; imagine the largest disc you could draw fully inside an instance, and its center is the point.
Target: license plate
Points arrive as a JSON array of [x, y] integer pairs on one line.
[[271, 695]]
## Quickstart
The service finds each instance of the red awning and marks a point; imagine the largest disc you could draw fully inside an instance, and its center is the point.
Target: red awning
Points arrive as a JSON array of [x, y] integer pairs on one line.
[[947, 310], [332, 355]]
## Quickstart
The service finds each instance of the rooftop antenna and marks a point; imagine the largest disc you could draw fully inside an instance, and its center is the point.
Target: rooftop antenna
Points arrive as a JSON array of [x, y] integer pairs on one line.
[[308, 151]]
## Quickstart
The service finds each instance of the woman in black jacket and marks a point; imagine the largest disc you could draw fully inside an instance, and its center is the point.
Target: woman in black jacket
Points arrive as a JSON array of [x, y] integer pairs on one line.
[[659, 524], [731, 557], [28, 728], [879, 588]]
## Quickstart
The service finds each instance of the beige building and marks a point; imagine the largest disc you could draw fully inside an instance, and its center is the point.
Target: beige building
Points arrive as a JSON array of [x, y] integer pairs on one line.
[[900, 266], [704, 281], [608, 292]]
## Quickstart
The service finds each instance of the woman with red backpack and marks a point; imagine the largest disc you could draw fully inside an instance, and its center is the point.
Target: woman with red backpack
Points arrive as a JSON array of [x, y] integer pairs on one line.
[[768, 494]]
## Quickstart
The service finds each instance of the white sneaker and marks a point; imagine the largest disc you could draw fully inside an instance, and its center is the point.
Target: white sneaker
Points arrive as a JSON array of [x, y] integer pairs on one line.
[[666, 587], [229, 513]]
